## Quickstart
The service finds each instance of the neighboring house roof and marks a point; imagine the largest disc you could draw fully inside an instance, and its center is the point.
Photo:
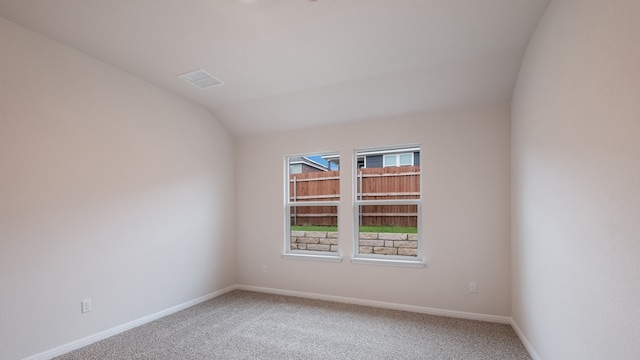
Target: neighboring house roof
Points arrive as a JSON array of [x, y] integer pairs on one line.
[[308, 162]]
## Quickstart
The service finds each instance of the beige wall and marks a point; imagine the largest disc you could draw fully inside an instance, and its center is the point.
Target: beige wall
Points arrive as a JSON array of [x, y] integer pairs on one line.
[[114, 190], [465, 158], [576, 183], [110, 189]]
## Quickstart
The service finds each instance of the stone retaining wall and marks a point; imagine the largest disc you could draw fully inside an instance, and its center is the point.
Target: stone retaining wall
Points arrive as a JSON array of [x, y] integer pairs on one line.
[[370, 243], [389, 244], [314, 240]]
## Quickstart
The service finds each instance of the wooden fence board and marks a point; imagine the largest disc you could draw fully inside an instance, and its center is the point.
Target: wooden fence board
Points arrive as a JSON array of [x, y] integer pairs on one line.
[[377, 184]]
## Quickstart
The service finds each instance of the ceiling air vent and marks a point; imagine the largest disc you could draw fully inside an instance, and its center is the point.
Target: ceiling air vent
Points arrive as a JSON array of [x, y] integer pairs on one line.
[[200, 78]]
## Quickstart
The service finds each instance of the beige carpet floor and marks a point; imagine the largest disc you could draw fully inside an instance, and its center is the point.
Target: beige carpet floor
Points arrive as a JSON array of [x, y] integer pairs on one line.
[[250, 325]]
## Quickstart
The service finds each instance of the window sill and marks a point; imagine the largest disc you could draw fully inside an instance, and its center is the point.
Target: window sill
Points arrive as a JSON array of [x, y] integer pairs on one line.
[[389, 262], [313, 257]]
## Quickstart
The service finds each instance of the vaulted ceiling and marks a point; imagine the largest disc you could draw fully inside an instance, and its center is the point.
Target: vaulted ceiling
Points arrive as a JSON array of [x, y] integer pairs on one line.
[[298, 63]]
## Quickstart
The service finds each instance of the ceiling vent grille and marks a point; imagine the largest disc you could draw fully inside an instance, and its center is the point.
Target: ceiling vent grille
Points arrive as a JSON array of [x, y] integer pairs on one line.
[[201, 79]]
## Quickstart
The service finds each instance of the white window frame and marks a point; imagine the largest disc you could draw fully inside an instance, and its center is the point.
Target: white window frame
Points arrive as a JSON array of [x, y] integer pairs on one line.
[[289, 253], [378, 259]]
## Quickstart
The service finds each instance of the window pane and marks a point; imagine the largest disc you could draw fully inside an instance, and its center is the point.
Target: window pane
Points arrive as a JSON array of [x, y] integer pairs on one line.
[[406, 159], [375, 182], [388, 230], [390, 160], [316, 178], [388, 203], [388, 183], [295, 169], [314, 228], [312, 204]]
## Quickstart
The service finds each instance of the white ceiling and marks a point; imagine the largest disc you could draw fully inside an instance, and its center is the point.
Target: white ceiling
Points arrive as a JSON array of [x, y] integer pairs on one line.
[[298, 63]]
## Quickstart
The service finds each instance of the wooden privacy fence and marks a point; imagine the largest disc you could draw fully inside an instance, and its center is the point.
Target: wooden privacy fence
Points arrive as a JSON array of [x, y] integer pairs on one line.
[[314, 186], [372, 184]]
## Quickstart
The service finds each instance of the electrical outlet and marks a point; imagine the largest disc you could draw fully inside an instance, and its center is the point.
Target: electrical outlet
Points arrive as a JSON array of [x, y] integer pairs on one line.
[[264, 268], [86, 305], [473, 288]]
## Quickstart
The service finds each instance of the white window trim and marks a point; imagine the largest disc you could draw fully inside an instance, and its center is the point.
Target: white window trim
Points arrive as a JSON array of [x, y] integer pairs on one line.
[[377, 259], [389, 262], [313, 257], [288, 253]]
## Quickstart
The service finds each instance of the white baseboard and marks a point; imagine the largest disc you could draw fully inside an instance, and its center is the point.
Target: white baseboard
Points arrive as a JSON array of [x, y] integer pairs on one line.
[[63, 349], [525, 341], [381, 304], [60, 350]]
